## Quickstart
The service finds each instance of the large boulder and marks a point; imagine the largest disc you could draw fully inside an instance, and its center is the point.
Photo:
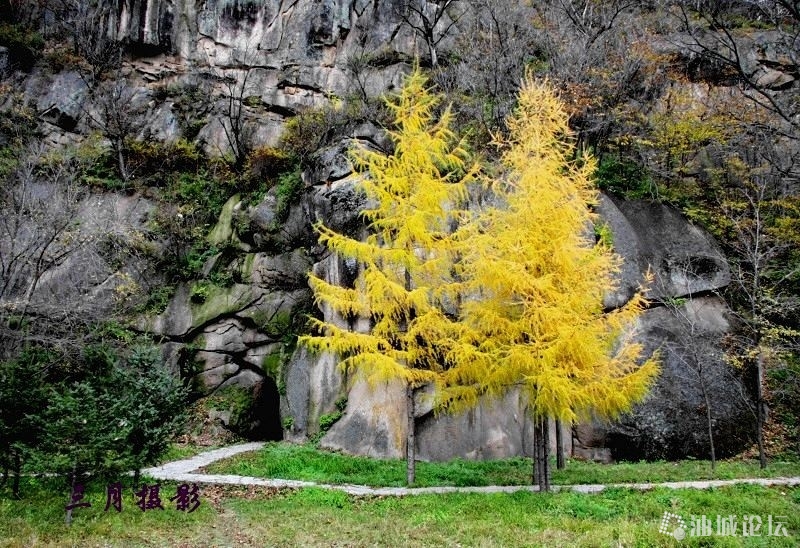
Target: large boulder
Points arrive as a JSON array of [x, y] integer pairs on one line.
[[313, 385], [651, 237], [63, 103], [687, 266], [494, 429], [374, 422], [673, 422]]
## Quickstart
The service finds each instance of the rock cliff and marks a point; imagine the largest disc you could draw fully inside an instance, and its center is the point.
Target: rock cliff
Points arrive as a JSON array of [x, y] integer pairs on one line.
[[281, 57]]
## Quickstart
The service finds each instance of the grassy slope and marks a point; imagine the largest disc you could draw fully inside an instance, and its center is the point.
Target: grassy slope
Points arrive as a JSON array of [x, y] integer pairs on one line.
[[282, 460], [313, 517]]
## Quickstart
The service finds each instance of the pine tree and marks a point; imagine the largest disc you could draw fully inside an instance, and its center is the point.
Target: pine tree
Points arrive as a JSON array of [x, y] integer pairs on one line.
[[513, 298], [536, 281], [405, 284]]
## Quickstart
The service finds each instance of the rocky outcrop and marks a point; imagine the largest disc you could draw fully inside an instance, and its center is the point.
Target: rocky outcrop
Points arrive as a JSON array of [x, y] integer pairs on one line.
[[672, 423], [686, 264], [767, 58], [683, 259], [279, 58], [284, 56], [63, 103]]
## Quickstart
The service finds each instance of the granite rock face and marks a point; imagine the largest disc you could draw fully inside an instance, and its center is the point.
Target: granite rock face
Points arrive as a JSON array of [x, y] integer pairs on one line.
[[683, 259], [281, 57], [687, 266], [285, 55], [672, 423]]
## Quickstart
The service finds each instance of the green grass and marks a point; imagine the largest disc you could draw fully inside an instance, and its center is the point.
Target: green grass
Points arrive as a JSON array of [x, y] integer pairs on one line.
[[38, 519], [314, 517], [179, 451], [303, 462]]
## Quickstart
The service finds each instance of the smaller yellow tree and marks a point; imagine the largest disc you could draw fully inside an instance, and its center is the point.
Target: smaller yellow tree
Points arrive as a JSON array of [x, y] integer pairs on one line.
[[405, 284], [536, 282]]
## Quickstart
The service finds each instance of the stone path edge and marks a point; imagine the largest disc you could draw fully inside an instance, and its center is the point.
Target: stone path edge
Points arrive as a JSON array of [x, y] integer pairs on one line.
[[181, 471]]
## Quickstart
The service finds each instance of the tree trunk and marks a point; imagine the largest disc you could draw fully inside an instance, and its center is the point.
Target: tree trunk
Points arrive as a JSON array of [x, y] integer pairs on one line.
[[136, 476], [123, 168], [560, 457], [411, 464], [710, 422], [17, 467], [761, 414], [541, 453], [68, 518]]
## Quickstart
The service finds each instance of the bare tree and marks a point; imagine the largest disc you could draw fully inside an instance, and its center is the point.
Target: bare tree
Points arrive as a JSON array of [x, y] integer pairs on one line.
[[692, 353], [117, 111], [87, 24], [711, 37], [64, 261], [590, 18], [595, 51], [759, 215], [236, 87], [432, 20], [39, 235], [497, 43], [359, 65]]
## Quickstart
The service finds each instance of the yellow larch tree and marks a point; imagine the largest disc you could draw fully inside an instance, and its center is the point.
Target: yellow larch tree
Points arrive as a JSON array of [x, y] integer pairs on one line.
[[536, 280], [404, 286]]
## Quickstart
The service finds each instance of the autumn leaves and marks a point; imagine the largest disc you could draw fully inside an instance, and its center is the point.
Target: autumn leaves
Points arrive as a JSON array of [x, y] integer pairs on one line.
[[479, 299]]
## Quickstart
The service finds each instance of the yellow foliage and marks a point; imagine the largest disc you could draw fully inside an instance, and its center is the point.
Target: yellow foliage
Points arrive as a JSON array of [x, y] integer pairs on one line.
[[684, 127], [537, 318], [406, 262], [513, 298]]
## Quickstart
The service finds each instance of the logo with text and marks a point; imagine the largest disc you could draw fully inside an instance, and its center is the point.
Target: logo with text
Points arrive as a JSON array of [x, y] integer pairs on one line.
[[724, 526]]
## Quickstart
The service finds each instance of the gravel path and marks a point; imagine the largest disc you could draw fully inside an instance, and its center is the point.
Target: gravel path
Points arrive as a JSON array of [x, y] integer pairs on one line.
[[182, 471]]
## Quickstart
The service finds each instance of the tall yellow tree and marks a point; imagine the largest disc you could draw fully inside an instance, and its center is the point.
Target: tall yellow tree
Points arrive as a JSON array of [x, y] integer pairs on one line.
[[405, 284], [536, 281]]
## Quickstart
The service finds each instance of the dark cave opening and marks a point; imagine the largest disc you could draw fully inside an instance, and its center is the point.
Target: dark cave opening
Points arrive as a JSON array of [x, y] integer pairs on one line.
[[267, 407]]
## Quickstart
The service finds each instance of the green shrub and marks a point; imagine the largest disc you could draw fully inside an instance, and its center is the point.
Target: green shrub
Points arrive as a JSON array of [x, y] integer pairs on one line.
[[311, 129], [157, 300], [24, 45], [99, 168], [114, 331], [23, 395], [603, 234], [199, 292], [328, 420], [623, 177], [109, 411], [201, 191], [154, 158], [195, 260], [288, 192], [221, 277]]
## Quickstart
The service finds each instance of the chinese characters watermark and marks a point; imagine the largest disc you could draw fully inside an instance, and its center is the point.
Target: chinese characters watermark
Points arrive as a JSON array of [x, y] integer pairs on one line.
[[186, 499], [723, 526]]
